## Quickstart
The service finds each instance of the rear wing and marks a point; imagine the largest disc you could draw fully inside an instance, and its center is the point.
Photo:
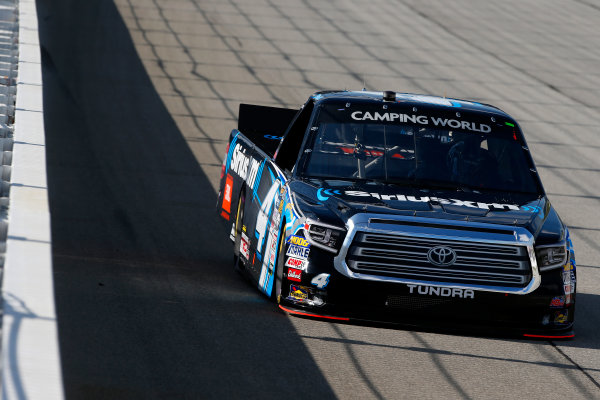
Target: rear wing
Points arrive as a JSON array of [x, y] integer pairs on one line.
[[265, 126]]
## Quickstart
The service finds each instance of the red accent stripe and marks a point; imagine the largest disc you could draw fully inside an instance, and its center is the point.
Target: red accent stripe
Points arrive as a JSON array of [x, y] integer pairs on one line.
[[549, 336], [225, 215], [313, 315]]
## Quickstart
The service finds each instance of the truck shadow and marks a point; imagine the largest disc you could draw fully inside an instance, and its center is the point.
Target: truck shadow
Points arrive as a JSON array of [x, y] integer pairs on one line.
[[148, 304], [587, 313]]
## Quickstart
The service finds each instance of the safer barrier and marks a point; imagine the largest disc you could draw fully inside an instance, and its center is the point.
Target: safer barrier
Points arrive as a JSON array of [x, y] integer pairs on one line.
[[30, 354]]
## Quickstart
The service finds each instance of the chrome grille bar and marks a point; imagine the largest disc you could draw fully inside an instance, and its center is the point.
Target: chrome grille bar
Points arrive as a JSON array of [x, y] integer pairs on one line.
[[488, 257]]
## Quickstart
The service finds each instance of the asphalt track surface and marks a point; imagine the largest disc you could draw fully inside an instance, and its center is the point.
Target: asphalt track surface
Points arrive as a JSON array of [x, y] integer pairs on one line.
[[140, 96]]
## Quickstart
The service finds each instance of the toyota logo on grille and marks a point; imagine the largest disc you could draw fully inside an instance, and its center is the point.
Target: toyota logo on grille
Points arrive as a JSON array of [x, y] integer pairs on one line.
[[441, 255]]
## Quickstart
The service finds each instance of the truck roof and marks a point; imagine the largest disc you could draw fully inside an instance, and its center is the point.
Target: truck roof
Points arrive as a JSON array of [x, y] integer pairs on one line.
[[410, 99]]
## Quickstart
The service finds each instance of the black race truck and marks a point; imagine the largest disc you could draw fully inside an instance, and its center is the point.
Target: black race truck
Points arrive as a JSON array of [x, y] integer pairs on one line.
[[395, 207]]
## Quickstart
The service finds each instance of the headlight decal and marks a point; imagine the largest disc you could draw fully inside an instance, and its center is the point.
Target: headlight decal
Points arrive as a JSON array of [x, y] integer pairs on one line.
[[552, 256], [325, 236]]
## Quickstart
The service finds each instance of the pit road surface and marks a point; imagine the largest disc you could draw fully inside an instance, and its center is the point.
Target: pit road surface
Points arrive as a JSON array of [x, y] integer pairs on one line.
[[140, 96]]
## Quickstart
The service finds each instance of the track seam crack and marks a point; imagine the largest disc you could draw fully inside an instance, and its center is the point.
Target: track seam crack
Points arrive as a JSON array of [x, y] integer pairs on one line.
[[579, 367]]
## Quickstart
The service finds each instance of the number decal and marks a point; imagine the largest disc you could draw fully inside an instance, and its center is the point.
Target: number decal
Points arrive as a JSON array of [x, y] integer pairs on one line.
[[263, 215], [320, 281]]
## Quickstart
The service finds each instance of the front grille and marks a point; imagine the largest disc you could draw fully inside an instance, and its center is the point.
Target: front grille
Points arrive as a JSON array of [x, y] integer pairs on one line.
[[405, 257]]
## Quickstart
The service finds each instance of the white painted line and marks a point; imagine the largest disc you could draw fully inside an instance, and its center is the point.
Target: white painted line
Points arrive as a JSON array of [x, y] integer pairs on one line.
[[30, 354]]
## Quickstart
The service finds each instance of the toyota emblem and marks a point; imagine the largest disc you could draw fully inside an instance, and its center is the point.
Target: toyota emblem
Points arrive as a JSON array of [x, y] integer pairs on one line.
[[441, 255]]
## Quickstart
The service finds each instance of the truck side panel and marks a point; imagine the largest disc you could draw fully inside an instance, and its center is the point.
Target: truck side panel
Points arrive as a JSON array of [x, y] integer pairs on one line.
[[249, 170]]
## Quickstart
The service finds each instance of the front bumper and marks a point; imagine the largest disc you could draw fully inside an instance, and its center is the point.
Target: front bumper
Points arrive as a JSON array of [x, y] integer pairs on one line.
[[546, 312], [543, 306]]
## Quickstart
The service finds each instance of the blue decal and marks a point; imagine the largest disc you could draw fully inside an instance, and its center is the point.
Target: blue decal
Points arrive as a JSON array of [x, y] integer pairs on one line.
[[273, 179], [324, 194], [571, 263], [534, 209], [257, 183], [272, 137]]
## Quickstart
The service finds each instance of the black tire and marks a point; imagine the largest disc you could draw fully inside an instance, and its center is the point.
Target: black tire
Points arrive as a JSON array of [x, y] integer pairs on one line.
[[239, 222], [278, 284]]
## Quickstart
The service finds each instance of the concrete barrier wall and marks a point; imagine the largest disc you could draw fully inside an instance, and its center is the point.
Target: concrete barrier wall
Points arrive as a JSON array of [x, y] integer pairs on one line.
[[30, 355]]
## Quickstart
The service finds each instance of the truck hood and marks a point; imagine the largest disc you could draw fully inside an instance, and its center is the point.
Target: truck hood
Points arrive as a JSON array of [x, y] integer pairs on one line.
[[335, 201]]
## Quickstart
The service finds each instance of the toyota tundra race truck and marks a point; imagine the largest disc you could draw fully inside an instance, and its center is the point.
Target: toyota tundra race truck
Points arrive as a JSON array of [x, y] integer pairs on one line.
[[395, 207]]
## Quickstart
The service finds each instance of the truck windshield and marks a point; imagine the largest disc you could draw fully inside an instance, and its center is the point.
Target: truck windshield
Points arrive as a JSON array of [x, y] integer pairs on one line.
[[393, 147]]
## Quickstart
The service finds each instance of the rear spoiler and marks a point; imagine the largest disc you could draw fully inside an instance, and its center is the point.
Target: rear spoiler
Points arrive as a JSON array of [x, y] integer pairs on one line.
[[265, 126]]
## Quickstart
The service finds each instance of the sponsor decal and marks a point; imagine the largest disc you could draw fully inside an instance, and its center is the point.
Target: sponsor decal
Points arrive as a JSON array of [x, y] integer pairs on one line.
[[273, 248], [244, 246], [561, 317], [568, 281], [298, 251], [298, 241], [453, 202], [568, 299], [464, 125], [441, 291], [557, 302], [298, 292], [227, 194], [321, 281], [296, 263], [239, 161], [421, 120], [567, 289], [244, 166], [570, 266], [277, 216], [294, 275], [389, 117]]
